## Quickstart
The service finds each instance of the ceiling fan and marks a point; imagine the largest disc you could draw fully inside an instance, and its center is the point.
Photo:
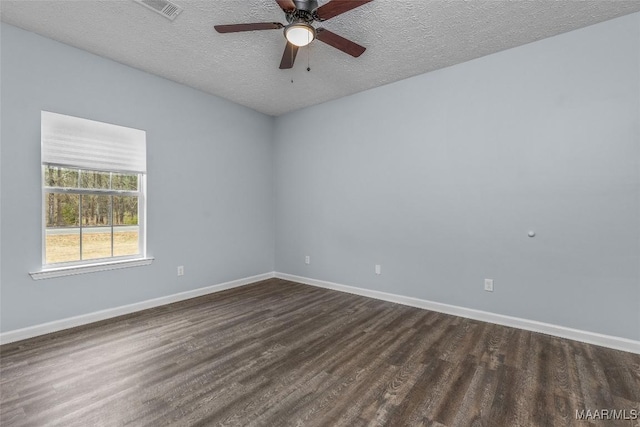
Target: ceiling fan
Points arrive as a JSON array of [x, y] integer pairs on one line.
[[300, 14]]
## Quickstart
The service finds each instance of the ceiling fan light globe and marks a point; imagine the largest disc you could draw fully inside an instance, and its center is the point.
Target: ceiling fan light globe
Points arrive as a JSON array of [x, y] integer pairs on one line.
[[300, 34]]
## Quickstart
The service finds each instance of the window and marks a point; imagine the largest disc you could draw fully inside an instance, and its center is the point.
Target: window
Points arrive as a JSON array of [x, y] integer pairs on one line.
[[90, 215], [93, 181]]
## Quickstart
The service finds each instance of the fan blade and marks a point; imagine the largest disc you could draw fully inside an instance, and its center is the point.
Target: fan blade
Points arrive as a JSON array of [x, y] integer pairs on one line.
[[336, 7], [339, 42], [286, 5], [234, 28], [289, 56]]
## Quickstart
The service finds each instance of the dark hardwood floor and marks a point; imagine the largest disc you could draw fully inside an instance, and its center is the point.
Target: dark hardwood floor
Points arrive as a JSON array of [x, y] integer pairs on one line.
[[278, 353]]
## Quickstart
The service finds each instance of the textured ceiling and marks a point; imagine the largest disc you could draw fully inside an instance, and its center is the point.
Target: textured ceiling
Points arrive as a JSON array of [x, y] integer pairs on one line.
[[403, 39]]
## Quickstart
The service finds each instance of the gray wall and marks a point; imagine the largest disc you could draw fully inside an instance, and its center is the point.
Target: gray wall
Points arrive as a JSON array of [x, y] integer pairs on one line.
[[210, 201], [439, 177]]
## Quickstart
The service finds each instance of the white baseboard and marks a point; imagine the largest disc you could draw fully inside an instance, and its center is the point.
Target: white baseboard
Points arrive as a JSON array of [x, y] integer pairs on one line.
[[609, 341], [70, 322]]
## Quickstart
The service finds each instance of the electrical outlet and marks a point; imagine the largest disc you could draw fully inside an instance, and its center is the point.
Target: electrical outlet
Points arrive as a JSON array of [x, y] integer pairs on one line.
[[307, 259], [181, 270], [488, 285], [378, 269]]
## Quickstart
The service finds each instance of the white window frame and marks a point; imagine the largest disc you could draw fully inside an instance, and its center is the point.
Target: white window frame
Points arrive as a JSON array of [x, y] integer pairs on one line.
[[95, 264]]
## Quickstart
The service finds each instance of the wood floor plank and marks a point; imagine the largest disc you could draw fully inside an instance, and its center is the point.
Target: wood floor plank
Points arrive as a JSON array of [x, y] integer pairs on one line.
[[278, 353]]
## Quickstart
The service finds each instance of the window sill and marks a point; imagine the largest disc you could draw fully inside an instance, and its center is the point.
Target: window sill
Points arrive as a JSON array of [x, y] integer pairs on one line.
[[91, 268]]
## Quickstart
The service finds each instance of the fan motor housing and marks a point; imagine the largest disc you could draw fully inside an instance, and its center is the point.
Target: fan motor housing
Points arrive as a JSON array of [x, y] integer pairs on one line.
[[306, 5], [305, 11]]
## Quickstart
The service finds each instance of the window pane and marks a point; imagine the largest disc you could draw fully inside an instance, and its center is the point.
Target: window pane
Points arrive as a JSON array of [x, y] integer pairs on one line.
[[96, 226], [62, 234], [96, 210], [62, 245], [61, 210], [96, 242], [124, 182], [125, 210], [60, 177], [125, 220], [125, 240], [93, 179]]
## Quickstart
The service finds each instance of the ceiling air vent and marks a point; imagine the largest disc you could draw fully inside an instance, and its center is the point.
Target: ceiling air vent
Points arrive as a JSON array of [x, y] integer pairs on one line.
[[163, 7]]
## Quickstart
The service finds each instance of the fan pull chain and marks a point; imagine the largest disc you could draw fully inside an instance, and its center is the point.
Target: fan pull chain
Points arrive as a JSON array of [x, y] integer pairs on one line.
[[309, 54], [308, 50]]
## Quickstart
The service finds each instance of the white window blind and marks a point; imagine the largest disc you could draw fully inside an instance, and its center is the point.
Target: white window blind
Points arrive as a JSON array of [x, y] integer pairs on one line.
[[87, 144]]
